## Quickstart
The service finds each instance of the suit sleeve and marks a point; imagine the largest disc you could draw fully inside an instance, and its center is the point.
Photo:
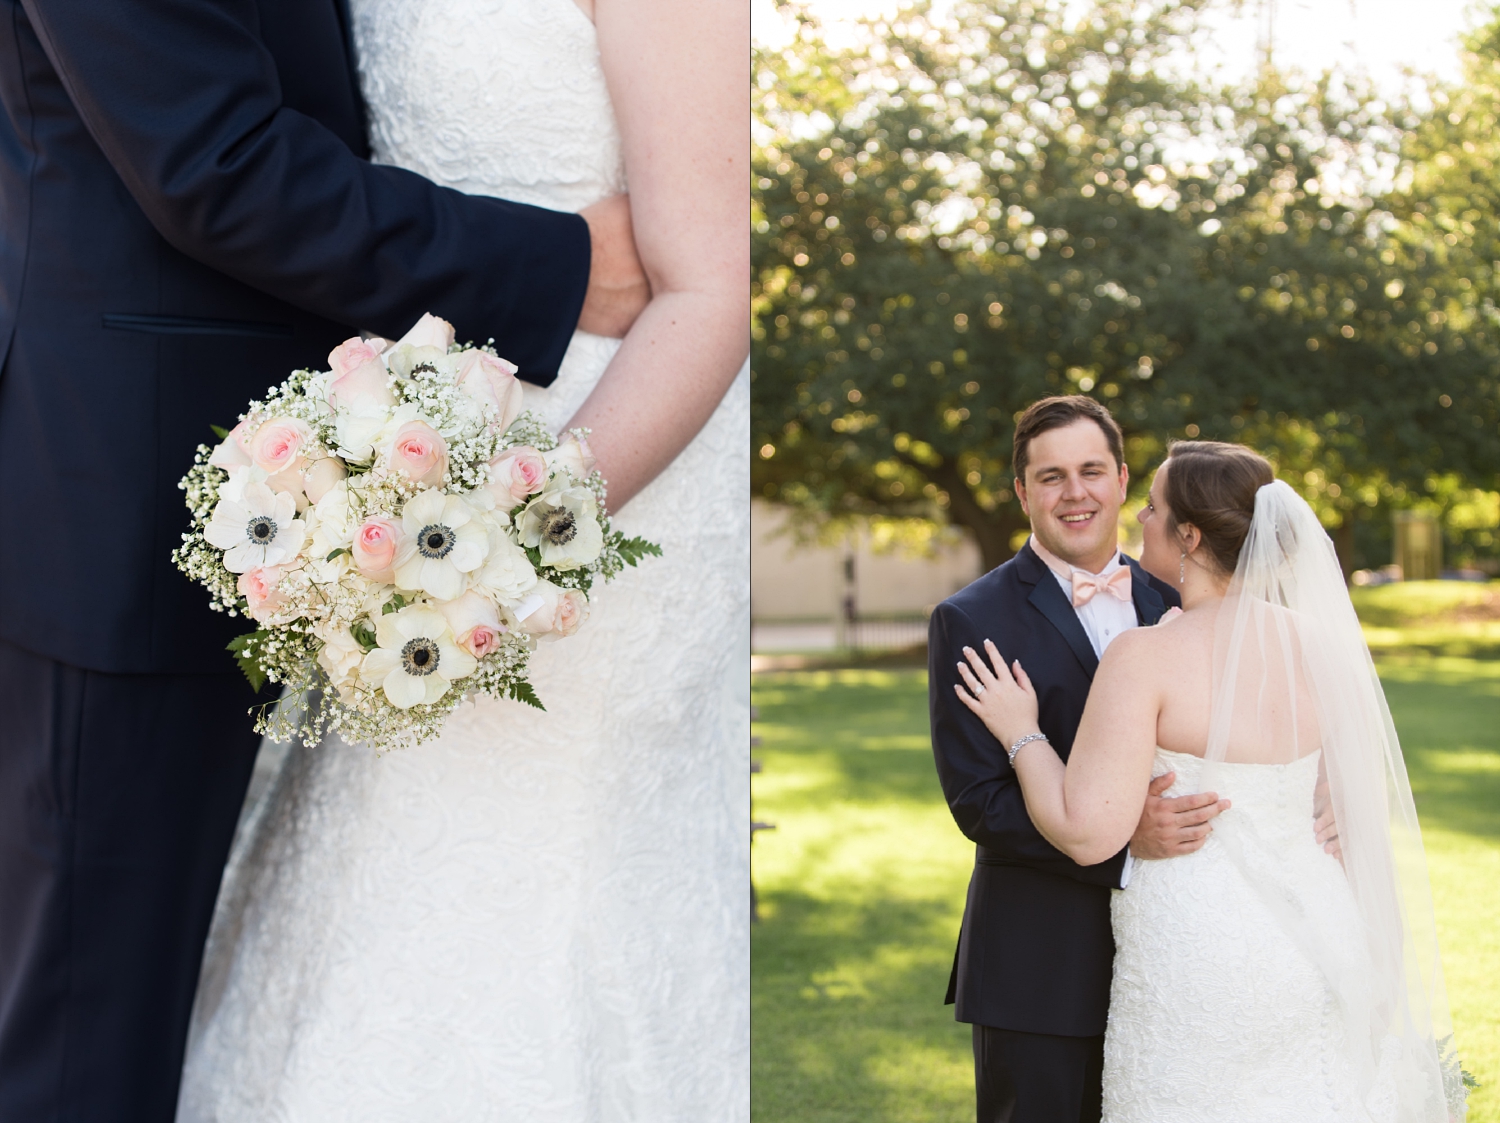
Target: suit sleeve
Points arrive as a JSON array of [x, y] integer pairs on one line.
[[185, 101], [981, 788]]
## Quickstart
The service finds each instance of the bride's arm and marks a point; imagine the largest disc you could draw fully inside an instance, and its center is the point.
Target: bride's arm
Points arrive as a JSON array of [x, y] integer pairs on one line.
[[679, 76], [1089, 808]]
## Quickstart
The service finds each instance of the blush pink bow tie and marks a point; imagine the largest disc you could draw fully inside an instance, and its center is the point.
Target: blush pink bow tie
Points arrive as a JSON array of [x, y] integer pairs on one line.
[[1086, 584]]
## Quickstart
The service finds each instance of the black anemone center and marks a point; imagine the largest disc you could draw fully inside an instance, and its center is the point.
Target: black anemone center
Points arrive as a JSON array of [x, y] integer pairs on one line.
[[559, 526], [435, 541], [261, 530], [419, 657]]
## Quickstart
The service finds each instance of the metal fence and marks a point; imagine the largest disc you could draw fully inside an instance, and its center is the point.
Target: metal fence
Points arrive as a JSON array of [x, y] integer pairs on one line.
[[856, 633]]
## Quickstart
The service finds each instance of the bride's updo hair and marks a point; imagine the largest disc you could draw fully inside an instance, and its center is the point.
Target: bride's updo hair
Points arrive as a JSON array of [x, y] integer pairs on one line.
[[1212, 485]]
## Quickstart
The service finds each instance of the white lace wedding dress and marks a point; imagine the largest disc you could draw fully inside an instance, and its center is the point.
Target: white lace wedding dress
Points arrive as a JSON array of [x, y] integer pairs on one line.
[[1215, 1015], [539, 917]]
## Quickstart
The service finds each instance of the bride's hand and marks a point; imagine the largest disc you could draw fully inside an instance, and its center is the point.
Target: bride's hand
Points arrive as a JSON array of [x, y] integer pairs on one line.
[[1005, 702]]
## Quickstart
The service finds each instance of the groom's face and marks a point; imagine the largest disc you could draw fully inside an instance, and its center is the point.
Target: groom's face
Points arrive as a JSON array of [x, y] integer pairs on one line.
[[1072, 494]]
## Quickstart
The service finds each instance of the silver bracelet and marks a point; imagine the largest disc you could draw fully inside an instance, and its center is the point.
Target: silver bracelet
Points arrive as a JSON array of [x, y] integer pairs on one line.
[[1026, 740]]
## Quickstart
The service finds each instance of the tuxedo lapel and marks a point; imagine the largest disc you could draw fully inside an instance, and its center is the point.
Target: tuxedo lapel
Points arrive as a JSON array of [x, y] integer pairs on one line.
[[1148, 603], [1048, 599]]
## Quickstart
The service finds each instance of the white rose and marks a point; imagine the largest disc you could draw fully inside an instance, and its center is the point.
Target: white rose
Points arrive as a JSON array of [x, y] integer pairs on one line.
[[429, 331], [340, 657], [335, 517], [507, 574], [572, 455], [358, 427], [323, 474]]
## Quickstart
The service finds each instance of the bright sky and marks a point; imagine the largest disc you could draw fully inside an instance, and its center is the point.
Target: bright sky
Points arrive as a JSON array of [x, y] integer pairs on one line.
[[1377, 37]]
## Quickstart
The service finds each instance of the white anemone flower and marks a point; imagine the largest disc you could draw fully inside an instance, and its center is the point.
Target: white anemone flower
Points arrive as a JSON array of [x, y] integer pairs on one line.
[[415, 660], [563, 523], [445, 541], [258, 528]]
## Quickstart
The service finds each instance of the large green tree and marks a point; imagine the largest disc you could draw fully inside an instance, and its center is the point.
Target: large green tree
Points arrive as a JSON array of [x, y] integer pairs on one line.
[[956, 218]]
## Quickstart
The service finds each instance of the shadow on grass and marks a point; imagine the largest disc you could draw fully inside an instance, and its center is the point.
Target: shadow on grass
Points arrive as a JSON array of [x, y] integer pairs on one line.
[[848, 1021]]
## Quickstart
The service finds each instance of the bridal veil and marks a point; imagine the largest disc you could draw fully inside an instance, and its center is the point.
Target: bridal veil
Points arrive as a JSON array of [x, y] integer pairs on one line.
[[1292, 676]]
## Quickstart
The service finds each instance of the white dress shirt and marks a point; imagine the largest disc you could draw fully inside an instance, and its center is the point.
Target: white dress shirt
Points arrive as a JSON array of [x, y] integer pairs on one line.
[[1103, 618]]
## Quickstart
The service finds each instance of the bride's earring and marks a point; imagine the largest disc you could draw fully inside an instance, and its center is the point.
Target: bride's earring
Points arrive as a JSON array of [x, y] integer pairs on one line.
[[1182, 569]]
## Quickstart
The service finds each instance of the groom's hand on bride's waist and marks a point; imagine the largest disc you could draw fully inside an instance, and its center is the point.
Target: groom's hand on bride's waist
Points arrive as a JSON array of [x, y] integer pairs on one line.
[[1170, 828], [618, 290]]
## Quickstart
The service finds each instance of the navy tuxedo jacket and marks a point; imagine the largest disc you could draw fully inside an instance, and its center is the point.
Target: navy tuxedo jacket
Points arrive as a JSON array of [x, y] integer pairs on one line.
[[1035, 952], [187, 214]]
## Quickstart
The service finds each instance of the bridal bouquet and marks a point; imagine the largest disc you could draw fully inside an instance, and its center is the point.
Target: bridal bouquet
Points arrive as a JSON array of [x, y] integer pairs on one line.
[[401, 533]]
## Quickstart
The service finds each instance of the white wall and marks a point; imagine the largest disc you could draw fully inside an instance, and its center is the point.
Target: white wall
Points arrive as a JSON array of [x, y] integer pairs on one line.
[[788, 581]]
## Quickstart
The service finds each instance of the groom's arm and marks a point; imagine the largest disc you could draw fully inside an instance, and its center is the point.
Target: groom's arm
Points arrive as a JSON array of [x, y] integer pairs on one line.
[[978, 782], [185, 101]]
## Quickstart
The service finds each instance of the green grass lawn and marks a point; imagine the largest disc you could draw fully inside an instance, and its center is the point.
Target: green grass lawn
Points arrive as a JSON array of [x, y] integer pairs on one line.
[[862, 887]]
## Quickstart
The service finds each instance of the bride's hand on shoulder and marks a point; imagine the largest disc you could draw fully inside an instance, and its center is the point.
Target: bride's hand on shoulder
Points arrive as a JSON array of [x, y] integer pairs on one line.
[[1001, 696]]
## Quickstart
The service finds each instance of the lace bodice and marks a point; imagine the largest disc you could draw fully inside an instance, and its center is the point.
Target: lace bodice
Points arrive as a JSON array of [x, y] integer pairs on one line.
[[540, 916], [492, 97], [1216, 1015]]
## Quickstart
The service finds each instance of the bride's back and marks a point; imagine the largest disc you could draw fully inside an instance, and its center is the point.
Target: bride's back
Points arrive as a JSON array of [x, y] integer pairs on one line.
[[1274, 720]]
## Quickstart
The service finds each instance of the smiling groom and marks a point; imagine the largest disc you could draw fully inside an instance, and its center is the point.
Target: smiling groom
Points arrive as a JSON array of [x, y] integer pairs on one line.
[[1035, 952]]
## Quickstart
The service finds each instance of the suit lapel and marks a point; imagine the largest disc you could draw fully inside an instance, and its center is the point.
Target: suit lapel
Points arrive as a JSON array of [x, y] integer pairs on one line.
[[1148, 603], [1047, 596]]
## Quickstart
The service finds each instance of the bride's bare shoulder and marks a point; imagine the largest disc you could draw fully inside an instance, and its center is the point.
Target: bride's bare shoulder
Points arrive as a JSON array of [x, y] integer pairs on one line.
[[1164, 644]]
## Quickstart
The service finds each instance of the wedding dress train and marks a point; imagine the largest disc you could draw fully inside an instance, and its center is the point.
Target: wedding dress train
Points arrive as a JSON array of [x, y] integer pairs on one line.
[[540, 916]]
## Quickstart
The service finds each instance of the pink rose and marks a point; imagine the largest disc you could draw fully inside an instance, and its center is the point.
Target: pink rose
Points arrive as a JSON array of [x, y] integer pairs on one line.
[[492, 382], [258, 587], [374, 548], [290, 481], [572, 611], [475, 623], [420, 451], [358, 375], [321, 477], [515, 474], [553, 612], [429, 331], [278, 445], [231, 452]]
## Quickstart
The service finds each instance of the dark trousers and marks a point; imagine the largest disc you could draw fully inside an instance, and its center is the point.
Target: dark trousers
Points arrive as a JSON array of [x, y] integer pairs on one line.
[[118, 801], [1037, 1077]]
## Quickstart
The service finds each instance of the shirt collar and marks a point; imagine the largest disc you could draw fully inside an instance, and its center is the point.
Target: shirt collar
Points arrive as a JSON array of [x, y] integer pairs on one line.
[[1061, 569]]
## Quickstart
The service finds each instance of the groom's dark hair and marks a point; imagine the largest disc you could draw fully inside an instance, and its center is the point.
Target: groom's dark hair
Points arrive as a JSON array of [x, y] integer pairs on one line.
[[1055, 413]]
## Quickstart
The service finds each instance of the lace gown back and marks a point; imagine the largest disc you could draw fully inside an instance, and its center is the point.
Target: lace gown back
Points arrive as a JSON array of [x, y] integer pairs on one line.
[[539, 916], [1215, 1015]]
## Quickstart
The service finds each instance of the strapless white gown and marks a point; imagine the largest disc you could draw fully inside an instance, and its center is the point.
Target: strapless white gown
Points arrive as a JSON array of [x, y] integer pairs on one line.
[[1215, 1014], [539, 917]]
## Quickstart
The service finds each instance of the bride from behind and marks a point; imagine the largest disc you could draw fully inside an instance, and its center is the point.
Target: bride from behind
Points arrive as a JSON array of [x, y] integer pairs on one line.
[[1263, 979], [540, 916]]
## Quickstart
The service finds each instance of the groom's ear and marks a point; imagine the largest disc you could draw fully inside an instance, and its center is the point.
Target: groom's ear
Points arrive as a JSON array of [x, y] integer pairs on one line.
[[1020, 487], [1124, 479]]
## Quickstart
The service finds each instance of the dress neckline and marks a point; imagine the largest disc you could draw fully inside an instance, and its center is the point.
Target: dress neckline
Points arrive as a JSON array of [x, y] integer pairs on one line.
[[1314, 755]]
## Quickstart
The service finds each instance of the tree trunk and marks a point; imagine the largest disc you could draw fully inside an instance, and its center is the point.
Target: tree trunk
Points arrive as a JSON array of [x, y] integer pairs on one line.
[[1343, 545], [992, 530]]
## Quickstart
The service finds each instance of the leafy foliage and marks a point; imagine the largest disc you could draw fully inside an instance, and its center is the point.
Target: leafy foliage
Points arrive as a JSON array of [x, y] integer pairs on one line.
[[245, 650], [956, 218]]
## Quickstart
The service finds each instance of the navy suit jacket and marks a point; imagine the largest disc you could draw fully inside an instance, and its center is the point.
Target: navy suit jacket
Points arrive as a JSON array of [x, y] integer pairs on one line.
[[1035, 952], [187, 213]]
